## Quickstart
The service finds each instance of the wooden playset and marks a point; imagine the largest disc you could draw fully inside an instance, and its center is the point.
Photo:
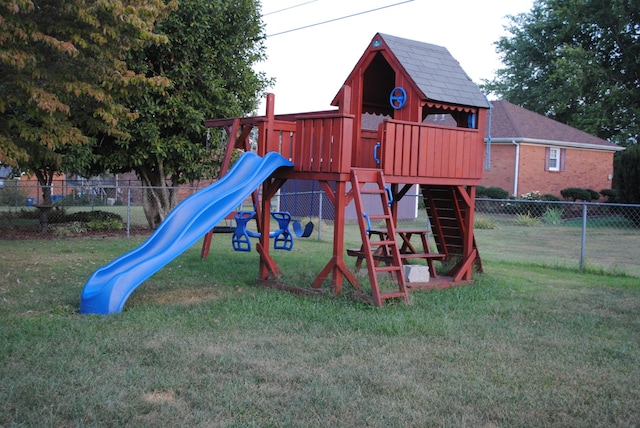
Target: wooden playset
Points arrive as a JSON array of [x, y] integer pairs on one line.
[[405, 88]]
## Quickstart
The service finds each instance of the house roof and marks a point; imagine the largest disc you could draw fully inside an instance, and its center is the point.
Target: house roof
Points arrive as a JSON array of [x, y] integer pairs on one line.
[[510, 122], [435, 72]]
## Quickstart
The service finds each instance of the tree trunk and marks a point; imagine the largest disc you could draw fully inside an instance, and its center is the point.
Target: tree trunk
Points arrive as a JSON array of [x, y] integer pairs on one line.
[[158, 198], [45, 179]]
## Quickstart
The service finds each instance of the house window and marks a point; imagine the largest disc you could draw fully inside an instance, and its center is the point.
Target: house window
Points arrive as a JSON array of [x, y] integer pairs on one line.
[[555, 159]]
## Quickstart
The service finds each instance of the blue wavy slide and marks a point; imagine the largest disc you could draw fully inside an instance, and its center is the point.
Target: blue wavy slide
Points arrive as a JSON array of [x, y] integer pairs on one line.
[[109, 287]]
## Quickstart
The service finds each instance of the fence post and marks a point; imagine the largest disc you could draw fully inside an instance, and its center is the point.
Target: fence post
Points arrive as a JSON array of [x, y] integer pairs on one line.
[[584, 235], [319, 215], [128, 211]]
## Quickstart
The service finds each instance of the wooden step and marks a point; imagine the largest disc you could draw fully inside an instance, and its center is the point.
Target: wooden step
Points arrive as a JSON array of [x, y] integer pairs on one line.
[[372, 191], [390, 268], [383, 243], [393, 295]]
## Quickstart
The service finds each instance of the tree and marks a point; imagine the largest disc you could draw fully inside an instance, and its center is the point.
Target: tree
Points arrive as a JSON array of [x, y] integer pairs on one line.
[[576, 62], [62, 74], [212, 46], [626, 177]]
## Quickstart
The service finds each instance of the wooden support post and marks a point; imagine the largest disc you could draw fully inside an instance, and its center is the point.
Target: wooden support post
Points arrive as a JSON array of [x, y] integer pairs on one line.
[[336, 266]]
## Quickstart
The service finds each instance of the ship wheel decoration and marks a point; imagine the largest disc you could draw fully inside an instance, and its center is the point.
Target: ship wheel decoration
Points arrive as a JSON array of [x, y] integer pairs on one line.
[[398, 97]]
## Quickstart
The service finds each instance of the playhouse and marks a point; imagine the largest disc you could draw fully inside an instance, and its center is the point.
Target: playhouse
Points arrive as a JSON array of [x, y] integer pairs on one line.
[[384, 137]]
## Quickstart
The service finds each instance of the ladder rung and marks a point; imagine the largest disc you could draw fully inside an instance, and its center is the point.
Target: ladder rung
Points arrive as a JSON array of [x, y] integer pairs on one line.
[[393, 295], [372, 191], [391, 268], [379, 216], [381, 243]]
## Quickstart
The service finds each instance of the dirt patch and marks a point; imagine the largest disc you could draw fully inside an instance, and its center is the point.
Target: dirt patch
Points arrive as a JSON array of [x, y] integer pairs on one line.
[[183, 296], [160, 397], [30, 234]]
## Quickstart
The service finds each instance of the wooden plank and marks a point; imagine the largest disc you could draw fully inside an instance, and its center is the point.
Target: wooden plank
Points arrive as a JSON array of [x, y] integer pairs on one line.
[[398, 149], [455, 155], [364, 155], [438, 154], [467, 157], [414, 150], [387, 153], [333, 129]]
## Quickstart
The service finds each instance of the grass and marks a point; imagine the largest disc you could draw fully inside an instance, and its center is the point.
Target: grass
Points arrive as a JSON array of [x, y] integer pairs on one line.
[[199, 344]]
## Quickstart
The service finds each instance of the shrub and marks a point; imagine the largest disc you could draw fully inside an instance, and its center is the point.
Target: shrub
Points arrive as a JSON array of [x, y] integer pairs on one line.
[[534, 195], [611, 195], [491, 193], [594, 195], [108, 224], [69, 229], [87, 216], [483, 223], [527, 220], [497, 193], [576, 194], [12, 195], [552, 216], [550, 197]]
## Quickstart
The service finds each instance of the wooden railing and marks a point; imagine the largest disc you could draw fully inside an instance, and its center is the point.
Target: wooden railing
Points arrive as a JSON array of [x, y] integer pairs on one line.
[[417, 150], [323, 143], [314, 143]]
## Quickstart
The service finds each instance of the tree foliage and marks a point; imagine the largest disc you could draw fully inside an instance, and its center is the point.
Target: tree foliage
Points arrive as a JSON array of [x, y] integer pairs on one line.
[[63, 75], [626, 177], [575, 61], [209, 57]]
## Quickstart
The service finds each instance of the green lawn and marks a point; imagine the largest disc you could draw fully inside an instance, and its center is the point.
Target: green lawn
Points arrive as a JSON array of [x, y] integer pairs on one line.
[[200, 344]]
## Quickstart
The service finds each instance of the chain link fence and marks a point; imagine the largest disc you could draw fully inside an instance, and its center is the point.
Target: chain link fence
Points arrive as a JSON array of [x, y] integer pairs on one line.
[[595, 236]]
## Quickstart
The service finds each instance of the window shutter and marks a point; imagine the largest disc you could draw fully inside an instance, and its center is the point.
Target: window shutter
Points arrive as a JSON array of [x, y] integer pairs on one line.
[[563, 158], [547, 156]]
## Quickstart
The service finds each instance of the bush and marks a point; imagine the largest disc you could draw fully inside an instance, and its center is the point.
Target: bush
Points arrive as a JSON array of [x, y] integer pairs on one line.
[[88, 216], [527, 220], [108, 224], [550, 197], [534, 195], [552, 216], [626, 174], [611, 195], [594, 195], [12, 195], [577, 194], [484, 223], [497, 193]]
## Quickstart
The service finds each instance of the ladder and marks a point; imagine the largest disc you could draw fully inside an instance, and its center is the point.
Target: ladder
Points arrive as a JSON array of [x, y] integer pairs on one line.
[[384, 246]]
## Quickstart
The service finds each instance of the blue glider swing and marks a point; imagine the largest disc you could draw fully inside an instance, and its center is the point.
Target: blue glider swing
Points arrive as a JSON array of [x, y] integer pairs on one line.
[[308, 228], [282, 238]]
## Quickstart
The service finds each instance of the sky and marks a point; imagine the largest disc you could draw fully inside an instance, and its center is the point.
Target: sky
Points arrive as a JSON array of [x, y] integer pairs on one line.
[[311, 64]]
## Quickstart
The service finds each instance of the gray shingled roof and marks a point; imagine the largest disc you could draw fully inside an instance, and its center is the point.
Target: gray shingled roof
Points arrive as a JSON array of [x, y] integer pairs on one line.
[[437, 73], [512, 122]]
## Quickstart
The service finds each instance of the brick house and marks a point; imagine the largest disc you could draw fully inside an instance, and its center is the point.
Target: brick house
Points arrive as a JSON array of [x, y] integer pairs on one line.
[[530, 152]]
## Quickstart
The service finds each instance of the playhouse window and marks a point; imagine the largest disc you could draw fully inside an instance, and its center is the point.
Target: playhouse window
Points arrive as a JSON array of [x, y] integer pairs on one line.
[[444, 119]]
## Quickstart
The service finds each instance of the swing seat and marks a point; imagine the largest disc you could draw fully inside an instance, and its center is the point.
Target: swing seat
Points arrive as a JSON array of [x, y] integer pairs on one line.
[[282, 238], [300, 233], [240, 238]]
